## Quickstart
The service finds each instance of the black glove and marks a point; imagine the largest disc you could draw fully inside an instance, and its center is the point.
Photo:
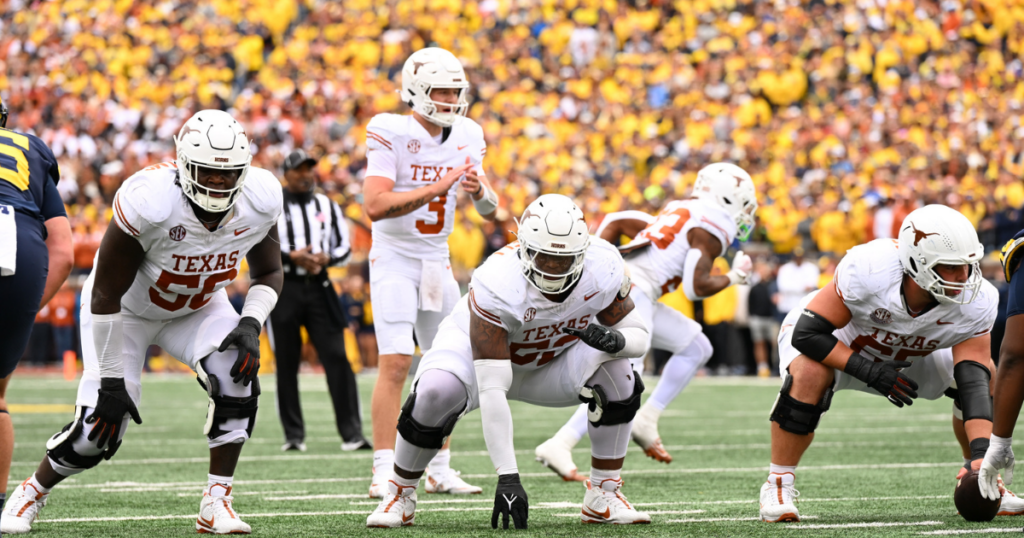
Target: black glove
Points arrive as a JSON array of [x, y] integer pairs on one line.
[[246, 337], [599, 337], [112, 404], [884, 377], [510, 499]]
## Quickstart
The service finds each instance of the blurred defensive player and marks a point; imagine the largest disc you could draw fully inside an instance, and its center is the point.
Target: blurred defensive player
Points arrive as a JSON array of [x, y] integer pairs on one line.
[[903, 319], [514, 337], [414, 165], [182, 229], [35, 255], [675, 248]]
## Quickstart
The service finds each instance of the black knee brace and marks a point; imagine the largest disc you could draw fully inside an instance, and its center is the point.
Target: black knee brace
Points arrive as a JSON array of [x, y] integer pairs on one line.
[[224, 407], [59, 448], [420, 435], [795, 416], [601, 412]]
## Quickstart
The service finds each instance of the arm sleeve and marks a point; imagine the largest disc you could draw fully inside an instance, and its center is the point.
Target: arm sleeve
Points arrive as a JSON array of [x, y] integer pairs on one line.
[[494, 378], [843, 280], [341, 248], [635, 333], [485, 305]]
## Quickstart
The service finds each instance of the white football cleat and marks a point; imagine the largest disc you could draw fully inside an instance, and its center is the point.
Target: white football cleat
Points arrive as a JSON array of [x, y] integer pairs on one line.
[[448, 481], [778, 501], [604, 503], [21, 509], [397, 509], [379, 482], [217, 516], [558, 457], [1009, 504], [645, 434]]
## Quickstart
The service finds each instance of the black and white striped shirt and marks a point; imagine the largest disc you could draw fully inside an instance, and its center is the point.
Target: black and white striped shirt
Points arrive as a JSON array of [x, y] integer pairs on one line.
[[318, 223]]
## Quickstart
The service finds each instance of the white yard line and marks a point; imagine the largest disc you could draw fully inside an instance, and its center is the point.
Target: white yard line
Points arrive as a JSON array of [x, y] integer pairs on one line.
[[322, 496], [957, 532], [711, 519], [246, 516], [866, 525], [237, 493]]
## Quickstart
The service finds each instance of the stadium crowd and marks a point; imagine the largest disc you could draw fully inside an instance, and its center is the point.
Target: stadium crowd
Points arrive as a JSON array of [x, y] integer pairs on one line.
[[847, 113]]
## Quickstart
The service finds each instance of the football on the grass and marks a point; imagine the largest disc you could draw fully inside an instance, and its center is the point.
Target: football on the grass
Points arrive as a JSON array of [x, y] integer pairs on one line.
[[969, 501]]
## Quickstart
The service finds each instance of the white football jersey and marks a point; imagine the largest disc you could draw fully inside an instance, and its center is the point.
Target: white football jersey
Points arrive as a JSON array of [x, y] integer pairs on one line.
[[400, 149], [869, 280], [185, 263], [500, 294], [657, 269]]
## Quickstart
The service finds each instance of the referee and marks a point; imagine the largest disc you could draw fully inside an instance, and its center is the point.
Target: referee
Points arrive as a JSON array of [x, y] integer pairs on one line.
[[315, 236]]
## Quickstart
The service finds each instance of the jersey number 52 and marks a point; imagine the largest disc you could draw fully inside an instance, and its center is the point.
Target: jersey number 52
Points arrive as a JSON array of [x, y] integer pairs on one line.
[[194, 301]]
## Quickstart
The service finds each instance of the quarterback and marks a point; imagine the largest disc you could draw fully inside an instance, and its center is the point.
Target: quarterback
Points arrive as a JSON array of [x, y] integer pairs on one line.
[[182, 228], [548, 320], [903, 319], [675, 248], [415, 163]]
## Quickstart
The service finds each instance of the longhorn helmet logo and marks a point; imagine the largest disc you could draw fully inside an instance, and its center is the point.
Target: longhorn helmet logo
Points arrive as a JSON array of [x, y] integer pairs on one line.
[[919, 235], [417, 65]]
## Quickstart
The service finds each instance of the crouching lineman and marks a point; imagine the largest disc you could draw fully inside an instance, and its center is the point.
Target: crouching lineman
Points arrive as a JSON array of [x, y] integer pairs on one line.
[[182, 229], [675, 248], [903, 318], [1009, 392], [515, 336]]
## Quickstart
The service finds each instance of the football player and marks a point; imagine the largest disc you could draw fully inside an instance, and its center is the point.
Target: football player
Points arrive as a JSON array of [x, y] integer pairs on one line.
[[548, 320], [415, 163], [675, 248], [905, 319], [1009, 378], [35, 255], [182, 228]]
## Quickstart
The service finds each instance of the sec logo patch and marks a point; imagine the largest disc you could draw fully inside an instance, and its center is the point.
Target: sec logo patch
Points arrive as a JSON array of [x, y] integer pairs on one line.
[[177, 233], [881, 315], [413, 146], [530, 314]]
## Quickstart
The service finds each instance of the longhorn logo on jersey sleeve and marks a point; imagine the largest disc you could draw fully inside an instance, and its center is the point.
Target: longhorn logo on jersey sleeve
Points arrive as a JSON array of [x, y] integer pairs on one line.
[[919, 235]]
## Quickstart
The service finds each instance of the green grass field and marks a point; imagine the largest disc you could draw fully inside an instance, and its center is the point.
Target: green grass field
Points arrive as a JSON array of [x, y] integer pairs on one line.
[[874, 470]]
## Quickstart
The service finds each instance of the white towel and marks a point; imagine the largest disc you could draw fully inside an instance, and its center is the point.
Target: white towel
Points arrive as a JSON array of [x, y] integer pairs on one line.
[[432, 279], [8, 241]]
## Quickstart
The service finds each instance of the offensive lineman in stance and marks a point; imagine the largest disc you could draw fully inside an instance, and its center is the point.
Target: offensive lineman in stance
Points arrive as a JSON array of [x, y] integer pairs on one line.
[[414, 165], [675, 248], [515, 336], [182, 229], [901, 319]]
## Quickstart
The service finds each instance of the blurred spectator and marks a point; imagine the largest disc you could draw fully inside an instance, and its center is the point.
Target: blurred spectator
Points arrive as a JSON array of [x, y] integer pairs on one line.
[[40, 344], [62, 319], [719, 313], [763, 327], [796, 278], [355, 303]]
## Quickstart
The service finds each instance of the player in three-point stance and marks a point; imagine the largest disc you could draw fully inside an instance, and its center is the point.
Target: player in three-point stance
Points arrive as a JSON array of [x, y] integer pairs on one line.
[[1009, 391], [548, 320], [902, 319], [182, 228], [415, 164], [675, 248]]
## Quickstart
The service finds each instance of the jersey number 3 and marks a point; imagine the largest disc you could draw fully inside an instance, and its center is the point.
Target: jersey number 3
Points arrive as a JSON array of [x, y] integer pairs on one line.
[[198, 300]]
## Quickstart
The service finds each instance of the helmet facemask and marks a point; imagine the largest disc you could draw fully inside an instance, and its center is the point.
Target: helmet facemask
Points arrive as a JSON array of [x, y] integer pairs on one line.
[[428, 107], [555, 281], [210, 199], [947, 291]]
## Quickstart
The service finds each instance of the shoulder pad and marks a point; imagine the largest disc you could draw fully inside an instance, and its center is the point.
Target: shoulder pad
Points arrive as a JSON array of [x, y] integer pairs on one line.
[[263, 190], [384, 130], [152, 192], [1009, 256], [606, 263]]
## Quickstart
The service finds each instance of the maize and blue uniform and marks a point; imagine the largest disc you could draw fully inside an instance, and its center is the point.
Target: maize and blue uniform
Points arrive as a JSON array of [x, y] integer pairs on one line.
[[1010, 258], [28, 198]]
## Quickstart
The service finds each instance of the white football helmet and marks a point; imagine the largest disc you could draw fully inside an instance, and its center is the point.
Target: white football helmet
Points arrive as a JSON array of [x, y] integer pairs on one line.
[[936, 234], [552, 225], [212, 139], [731, 188], [431, 68]]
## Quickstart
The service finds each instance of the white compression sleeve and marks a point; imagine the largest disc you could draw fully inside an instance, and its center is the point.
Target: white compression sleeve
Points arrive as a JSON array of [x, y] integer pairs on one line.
[[619, 215], [259, 302], [108, 337], [488, 203], [494, 377], [636, 334], [689, 267]]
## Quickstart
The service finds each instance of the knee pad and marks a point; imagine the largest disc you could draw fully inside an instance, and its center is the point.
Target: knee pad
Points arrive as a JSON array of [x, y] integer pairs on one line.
[[421, 435], [795, 416], [60, 448], [223, 407], [601, 412]]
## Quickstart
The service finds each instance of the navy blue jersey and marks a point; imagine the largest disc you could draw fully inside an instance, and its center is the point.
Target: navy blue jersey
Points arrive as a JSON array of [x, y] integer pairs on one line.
[[28, 176]]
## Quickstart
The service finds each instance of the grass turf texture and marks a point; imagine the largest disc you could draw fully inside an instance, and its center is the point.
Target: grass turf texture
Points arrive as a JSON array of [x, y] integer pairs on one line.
[[871, 464]]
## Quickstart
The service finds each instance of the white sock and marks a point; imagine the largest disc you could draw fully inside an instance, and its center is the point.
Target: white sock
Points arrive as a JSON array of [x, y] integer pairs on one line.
[[35, 483], [650, 411], [218, 486], [678, 373], [575, 428], [441, 462], [383, 459], [787, 473], [399, 481], [598, 477]]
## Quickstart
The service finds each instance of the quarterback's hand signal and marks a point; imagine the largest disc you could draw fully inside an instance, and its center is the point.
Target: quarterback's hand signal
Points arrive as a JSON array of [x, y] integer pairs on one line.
[[112, 405], [510, 500], [599, 337], [246, 337]]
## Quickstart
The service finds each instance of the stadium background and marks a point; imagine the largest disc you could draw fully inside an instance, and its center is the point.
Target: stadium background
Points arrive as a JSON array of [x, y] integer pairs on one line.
[[848, 114]]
